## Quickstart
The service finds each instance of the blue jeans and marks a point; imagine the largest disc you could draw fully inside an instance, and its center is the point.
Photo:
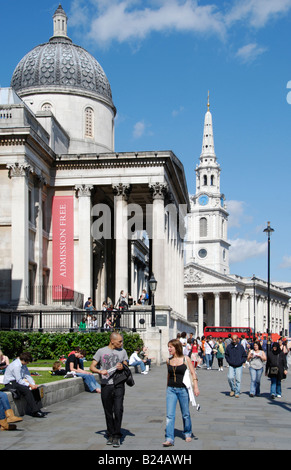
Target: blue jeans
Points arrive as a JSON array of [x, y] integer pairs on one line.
[[175, 394], [256, 375], [4, 405], [234, 379], [90, 381], [209, 360], [276, 388], [138, 363]]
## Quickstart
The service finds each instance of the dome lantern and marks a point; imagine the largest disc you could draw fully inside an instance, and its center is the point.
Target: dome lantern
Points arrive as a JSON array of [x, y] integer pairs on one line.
[[60, 22]]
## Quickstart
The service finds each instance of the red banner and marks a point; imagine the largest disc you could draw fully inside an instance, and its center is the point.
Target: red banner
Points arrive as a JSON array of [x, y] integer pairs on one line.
[[63, 247]]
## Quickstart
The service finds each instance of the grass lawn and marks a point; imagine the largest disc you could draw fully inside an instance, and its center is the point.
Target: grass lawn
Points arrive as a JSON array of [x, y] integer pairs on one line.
[[44, 375]]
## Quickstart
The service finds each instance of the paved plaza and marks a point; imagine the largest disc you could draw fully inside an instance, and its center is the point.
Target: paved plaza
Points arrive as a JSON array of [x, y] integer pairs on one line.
[[223, 423]]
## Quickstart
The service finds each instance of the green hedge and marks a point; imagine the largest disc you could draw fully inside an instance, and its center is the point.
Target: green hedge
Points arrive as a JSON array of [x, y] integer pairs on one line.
[[54, 345]]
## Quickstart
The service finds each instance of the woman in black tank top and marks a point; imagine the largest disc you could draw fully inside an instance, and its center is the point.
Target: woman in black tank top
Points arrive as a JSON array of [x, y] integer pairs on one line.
[[176, 391]]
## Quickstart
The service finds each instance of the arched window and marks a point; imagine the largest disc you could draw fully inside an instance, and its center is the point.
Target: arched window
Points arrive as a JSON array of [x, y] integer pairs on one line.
[[203, 227], [212, 180], [89, 122], [205, 180]]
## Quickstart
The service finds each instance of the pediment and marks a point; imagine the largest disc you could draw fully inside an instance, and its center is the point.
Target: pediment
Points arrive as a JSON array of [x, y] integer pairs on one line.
[[195, 274]]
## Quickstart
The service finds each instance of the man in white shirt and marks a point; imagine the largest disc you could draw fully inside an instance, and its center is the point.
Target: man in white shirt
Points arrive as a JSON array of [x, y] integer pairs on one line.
[[135, 361], [209, 345], [17, 376]]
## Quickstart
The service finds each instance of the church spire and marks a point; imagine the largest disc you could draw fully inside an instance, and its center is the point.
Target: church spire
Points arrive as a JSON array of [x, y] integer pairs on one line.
[[208, 140]]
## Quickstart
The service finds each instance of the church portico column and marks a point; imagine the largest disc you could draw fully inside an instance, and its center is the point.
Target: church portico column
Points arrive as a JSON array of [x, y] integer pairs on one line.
[[121, 193], [85, 265], [159, 191], [217, 309], [233, 309], [200, 315], [20, 212]]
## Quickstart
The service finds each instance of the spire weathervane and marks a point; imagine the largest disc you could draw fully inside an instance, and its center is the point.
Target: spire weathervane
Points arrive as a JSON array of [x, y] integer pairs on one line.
[[208, 105]]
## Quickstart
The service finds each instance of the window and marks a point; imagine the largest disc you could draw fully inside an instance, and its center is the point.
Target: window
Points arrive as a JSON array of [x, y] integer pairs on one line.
[[205, 180], [30, 207], [89, 122], [203, 227], [202, 253]]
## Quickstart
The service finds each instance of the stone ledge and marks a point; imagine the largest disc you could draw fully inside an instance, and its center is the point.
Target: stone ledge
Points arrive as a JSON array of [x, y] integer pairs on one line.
[[51, 393]]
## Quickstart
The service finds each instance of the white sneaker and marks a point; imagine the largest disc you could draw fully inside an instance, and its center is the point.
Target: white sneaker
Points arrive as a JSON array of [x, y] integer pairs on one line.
[[144, 372]]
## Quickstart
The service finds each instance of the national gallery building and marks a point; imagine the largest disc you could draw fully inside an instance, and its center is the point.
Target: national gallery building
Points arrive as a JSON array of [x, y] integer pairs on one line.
[[79, 219], [73, 211]]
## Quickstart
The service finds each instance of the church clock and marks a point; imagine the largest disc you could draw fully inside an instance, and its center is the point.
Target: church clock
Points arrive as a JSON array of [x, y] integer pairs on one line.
[[203, 200]]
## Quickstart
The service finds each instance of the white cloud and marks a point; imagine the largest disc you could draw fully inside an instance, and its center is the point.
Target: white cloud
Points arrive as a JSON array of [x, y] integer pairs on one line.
[[139, 129], [286, 262], [241, 250], [178, 111], [131, 20], [128, 20], [250, 52], [257, 13], [237, 215]]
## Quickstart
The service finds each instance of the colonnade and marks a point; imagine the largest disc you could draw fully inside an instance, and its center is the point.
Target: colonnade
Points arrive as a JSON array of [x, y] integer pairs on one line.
[[165, 246], [241, 309]]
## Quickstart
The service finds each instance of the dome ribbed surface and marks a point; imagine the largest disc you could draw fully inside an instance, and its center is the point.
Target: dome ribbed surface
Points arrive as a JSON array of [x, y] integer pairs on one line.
[[60, 63]]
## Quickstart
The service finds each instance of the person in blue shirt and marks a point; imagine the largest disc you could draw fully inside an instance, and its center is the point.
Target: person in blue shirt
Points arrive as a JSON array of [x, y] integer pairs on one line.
[[17, 376]]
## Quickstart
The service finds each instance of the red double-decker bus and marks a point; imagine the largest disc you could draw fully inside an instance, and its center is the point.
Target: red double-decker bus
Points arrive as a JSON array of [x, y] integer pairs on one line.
[[224, 331]]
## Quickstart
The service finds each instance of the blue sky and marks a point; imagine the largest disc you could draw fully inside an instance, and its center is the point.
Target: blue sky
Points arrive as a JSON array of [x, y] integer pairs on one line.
[[161, 58]]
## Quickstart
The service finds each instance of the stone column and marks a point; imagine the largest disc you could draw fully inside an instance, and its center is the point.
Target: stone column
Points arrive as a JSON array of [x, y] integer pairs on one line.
[[217, 309], [39, 236], [121, 192], [85, 264], [158, 236], [233, 309], [200, 315], [19, 174]]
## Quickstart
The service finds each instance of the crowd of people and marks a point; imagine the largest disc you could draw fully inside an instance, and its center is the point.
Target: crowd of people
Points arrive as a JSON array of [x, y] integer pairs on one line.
[[186, 355], [237, 353], [111, 314], [109, 360]]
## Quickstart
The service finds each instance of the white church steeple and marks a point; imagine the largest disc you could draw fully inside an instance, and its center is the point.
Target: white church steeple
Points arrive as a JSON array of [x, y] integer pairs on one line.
[[208, 170], [208, 140], [207, 241]]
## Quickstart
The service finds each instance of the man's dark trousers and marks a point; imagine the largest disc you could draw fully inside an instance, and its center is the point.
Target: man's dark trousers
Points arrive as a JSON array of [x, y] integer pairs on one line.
[[112, 400]]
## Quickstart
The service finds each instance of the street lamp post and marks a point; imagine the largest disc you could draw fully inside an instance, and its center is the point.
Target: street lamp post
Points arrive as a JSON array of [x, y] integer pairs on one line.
[[268, 231], [153, 286]]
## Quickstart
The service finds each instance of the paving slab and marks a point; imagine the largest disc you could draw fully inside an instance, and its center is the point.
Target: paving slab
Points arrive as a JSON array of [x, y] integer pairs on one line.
[[223, 422]]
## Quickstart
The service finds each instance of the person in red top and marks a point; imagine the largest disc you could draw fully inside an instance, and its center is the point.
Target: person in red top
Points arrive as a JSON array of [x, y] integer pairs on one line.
[[195, 354]]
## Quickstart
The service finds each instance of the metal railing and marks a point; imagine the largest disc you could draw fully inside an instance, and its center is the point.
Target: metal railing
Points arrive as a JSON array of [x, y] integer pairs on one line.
[[76, 320]]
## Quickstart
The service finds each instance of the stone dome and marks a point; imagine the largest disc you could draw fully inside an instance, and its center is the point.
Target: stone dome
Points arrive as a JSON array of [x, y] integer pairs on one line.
[[61, 66]]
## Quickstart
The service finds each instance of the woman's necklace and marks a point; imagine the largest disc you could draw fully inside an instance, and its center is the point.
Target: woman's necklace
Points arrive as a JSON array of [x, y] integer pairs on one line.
[[174, 367], [174, 372]]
